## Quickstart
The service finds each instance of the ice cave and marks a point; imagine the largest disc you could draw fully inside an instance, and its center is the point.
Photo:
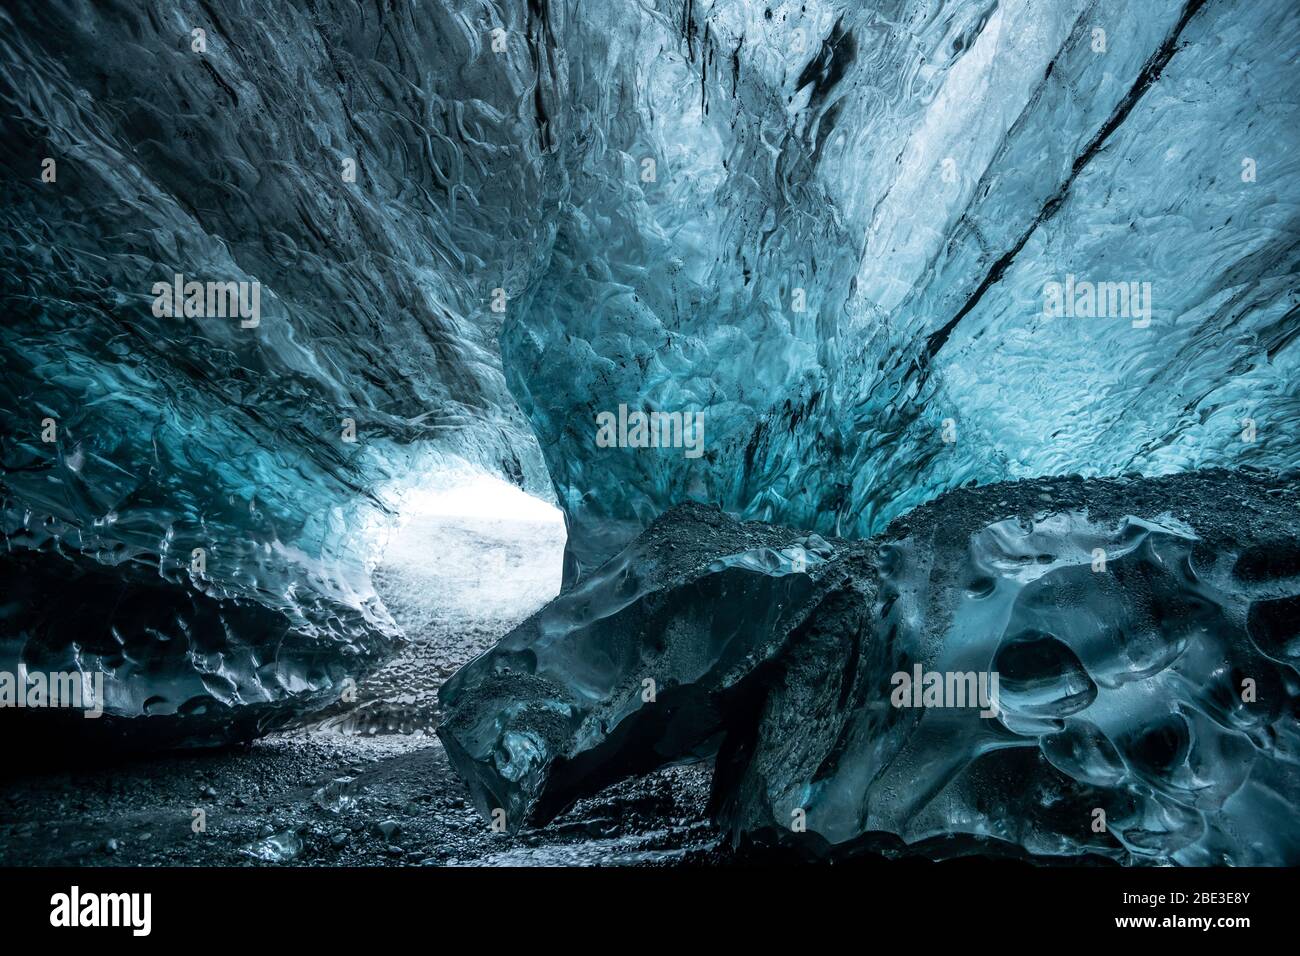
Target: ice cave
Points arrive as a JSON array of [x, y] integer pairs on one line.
[[558, 431]]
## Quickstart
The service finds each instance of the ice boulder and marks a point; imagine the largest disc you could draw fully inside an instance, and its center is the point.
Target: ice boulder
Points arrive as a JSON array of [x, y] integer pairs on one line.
[[1053, 668]]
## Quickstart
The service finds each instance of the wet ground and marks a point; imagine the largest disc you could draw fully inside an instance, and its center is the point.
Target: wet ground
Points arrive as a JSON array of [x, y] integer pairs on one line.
[[369, 785]]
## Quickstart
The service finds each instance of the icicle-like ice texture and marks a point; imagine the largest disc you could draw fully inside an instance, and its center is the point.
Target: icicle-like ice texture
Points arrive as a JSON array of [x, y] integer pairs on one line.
[[1113, 671], [479, 228]]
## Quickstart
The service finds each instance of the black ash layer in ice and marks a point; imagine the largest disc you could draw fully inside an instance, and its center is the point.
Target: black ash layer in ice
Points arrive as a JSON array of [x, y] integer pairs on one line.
[[1142, 631]]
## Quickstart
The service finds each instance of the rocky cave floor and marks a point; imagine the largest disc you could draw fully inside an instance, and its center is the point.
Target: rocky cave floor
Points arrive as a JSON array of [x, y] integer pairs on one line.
[[369, 785]]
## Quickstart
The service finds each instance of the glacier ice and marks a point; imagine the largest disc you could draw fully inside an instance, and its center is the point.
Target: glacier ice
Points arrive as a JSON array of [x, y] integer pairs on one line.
[[181, 500], [826, 227], [846, 241], [685, 611], [1144, 697]]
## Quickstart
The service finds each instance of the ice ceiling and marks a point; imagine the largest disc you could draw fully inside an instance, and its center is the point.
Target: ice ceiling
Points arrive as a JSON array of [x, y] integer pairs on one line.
[[476, 227]]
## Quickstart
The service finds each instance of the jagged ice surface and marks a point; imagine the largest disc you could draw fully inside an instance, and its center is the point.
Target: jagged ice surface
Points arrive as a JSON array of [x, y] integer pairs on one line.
[[797, 146], [1154, 692]]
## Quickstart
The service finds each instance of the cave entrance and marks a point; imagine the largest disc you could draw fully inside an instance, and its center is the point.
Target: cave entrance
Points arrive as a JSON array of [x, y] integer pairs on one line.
[[473, 553], [476, 549], [471, 557]]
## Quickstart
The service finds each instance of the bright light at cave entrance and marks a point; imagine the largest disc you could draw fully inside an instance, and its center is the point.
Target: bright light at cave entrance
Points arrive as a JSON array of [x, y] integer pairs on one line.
[[470, 548], [478, 495]]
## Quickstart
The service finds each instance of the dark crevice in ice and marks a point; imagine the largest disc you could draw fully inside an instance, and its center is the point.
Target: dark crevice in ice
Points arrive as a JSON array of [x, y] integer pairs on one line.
[[1150, 73]]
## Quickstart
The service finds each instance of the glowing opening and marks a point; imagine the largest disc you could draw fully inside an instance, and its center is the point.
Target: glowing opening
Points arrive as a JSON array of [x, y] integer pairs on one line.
[[471, 552], [478, 495]]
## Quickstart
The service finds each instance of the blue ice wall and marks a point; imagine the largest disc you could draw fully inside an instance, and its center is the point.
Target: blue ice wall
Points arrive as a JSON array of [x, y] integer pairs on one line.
[[854, 211], [346, 160]]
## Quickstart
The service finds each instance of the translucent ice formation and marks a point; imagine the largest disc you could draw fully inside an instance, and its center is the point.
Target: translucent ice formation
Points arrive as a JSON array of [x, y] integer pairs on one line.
[[1057, 668], [833, 227], [191, 502]]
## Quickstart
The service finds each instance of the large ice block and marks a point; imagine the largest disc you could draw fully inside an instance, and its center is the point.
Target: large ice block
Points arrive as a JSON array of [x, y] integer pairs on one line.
[[1056, 668]]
